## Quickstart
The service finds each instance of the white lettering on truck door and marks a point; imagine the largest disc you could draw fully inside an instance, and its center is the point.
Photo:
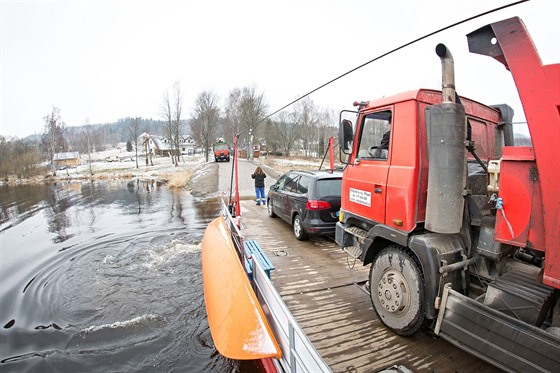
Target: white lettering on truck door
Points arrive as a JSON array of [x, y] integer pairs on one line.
[[360, 196]]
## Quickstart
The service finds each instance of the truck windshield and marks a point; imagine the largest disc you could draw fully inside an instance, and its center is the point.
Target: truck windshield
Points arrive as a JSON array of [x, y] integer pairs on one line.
[[375, 135], [220, 146]]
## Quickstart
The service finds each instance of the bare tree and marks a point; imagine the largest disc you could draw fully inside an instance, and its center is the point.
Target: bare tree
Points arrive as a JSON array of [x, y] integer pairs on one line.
[[52, 140], [145, 141], [19, 158], [289, 131], [307, 117], [252, 111], [100, 139], [133, 134], [5, 154], [205, 119], [88, 142], [327, 126], [168, 117], [171, 109], [73, 140], [271, 135], [232, 117], [178, 108]]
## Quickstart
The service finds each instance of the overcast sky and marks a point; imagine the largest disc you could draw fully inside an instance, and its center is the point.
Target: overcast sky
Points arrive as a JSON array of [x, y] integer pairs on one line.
[[99, 61]]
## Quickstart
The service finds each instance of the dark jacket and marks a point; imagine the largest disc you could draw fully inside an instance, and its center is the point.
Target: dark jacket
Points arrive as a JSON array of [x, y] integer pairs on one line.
[[259, 180]]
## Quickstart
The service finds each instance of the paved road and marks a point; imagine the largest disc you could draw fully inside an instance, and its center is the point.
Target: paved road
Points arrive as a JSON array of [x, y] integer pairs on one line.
[[246, 183]]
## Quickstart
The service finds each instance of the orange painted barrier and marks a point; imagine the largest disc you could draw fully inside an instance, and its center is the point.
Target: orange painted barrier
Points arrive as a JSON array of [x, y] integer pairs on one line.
[[237, 322]]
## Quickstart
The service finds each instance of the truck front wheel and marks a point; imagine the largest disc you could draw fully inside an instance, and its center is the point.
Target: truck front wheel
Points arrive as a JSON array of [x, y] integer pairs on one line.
[[397, 290]]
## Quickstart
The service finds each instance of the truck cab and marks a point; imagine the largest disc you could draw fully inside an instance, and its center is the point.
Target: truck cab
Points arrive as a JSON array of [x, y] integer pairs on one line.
[[387, 184], [221, 151], [459, 225]]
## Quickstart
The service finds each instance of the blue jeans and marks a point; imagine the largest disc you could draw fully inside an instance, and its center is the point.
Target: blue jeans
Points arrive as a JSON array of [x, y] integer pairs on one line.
[[260, 193]]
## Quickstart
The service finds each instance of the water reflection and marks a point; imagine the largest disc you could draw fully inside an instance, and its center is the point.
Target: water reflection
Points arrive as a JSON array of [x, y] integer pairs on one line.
[[18, 203], [21, 202], [58, 202], [100, 276]]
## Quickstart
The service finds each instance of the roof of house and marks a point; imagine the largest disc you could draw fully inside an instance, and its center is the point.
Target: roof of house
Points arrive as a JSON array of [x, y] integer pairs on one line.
[[159, 142], [65, 156], [162, 143]]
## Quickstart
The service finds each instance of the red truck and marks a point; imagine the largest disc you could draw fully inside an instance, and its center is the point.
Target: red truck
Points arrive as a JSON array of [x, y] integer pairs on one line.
[[461, 227], [221, 150]]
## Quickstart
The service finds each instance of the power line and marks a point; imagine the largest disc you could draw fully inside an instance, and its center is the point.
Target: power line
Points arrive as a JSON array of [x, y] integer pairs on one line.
[[395, 50]]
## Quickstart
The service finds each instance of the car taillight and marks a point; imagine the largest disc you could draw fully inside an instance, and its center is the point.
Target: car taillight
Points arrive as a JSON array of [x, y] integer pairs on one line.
[[317, 205]]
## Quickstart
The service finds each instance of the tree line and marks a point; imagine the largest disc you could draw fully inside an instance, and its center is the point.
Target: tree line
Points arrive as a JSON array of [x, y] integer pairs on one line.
[[242, 113], [304, 128], [245, 114]]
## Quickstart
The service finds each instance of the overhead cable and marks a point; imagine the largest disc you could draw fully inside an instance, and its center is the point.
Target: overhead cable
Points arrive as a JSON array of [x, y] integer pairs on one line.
[[395, 50]]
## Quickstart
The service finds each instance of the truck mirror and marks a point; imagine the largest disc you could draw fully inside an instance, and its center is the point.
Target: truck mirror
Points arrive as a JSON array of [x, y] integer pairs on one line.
[[345, 136]]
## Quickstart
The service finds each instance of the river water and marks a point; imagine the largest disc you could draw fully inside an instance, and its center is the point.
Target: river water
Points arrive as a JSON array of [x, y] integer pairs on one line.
[[104, 277]]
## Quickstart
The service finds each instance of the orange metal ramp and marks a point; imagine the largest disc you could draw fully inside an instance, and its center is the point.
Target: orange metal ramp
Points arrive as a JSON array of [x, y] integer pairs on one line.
[[237, 322]]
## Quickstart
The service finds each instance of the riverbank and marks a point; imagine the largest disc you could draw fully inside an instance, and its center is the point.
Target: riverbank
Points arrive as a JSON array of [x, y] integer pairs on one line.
[[117, 163], [192, 173]]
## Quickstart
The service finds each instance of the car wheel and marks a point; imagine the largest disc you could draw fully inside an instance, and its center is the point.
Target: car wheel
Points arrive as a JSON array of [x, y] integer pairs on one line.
[[397, 290], [299, 232], [269, 208]]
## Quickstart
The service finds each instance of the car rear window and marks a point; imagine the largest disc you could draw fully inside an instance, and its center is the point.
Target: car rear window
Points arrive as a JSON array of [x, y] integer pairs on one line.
[[328, 187]]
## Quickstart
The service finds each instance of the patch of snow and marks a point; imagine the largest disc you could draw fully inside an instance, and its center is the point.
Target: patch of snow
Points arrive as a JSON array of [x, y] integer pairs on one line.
[[127, 165]]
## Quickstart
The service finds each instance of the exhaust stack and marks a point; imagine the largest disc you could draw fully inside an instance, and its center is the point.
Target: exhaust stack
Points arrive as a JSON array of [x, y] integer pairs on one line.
[[447, 73], [447, 155]]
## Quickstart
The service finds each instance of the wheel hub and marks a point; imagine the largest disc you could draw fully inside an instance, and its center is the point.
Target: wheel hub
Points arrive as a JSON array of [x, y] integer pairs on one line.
[[392, 292]]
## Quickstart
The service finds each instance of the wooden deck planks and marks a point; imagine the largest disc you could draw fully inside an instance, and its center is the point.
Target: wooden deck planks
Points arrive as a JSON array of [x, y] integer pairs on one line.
[[315, 281]]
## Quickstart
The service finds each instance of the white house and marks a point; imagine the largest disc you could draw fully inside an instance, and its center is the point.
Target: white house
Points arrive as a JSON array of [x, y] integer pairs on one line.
[[160, 145]]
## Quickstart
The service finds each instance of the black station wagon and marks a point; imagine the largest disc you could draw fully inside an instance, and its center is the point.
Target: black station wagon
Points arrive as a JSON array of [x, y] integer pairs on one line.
[[309, 200]]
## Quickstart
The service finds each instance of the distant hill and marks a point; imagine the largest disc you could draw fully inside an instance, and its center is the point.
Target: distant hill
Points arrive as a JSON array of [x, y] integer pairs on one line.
[[521, 140]]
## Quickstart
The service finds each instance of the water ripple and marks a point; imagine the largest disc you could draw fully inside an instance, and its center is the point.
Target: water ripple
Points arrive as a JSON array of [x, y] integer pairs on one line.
[[104, 277]]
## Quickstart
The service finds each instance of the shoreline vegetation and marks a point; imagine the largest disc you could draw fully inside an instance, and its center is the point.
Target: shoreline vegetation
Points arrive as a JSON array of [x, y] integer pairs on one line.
[[193, 173], [174, 176]]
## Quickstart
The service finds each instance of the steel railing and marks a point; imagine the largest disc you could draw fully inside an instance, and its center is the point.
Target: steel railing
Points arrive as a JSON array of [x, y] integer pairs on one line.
[[298, 354]]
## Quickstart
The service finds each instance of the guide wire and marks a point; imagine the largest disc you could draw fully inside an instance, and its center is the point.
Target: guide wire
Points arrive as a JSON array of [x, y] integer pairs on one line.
[[395, 50]]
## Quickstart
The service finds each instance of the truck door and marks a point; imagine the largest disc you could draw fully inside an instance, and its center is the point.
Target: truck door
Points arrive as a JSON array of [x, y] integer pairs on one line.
[[366, 176]]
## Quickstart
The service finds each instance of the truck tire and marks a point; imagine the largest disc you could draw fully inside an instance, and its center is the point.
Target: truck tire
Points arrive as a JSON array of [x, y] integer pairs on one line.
[[299, 232], [397, 290]]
